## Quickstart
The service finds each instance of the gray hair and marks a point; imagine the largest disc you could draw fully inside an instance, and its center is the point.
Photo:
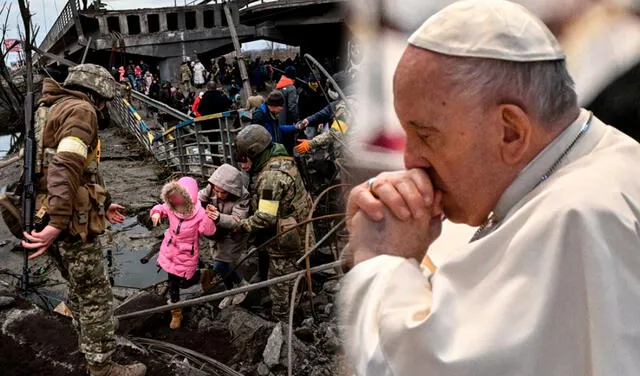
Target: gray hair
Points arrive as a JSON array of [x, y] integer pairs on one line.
[[543, 89]]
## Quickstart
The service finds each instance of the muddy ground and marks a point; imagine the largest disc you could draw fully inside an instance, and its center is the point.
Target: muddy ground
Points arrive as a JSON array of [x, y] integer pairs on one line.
[[35, 341]]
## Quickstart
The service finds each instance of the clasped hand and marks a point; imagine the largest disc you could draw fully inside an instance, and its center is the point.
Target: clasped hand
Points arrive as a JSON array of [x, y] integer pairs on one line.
[[399, 215]]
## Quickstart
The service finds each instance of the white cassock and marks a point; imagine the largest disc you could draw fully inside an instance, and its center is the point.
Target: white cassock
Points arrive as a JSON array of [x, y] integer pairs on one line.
[[552, 289]]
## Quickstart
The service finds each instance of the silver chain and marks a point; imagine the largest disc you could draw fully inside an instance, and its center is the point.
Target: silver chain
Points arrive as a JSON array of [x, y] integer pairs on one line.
[[492, 220]]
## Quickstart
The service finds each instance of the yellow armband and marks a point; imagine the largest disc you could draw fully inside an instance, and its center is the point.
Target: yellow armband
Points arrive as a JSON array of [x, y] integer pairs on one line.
[[73, 145], [269, 207]]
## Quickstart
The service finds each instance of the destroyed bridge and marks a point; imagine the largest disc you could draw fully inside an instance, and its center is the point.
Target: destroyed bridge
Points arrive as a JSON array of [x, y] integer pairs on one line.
[[166, 35]]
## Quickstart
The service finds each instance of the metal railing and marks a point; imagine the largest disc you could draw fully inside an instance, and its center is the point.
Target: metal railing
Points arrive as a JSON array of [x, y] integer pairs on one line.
[[194, 147], [199, 146], [64, 20], [165, 108], [128, 118]]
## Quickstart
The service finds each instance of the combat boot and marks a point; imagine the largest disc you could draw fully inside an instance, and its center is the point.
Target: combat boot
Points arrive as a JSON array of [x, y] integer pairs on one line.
[[115, 369], [206, 277], [176, 318]]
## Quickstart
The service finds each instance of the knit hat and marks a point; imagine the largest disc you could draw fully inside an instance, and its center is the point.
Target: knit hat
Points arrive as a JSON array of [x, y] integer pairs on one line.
[[290, 71]]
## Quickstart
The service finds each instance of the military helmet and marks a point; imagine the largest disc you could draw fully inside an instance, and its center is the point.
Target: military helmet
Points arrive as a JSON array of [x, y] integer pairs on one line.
[[93, 77], [252, 140]]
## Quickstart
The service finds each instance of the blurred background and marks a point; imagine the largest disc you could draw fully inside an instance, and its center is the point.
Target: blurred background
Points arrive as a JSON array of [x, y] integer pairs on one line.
[[601, 39]]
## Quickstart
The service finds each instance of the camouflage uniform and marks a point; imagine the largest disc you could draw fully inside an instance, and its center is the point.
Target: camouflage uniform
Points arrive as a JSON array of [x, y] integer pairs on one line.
[[74, 201], [90, 297], [185, 77], [333, 137], [279, 194]]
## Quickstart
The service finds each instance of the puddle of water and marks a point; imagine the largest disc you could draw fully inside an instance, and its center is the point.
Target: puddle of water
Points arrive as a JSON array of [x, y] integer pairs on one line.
[[129, 272], [132, 242]]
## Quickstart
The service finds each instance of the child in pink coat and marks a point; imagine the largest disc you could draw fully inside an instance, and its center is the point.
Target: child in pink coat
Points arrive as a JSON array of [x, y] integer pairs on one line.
[[180, 248]]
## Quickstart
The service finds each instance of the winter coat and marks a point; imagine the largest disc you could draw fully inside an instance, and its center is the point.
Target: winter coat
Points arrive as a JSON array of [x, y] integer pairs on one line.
[[71, 115], [198, 74], [214, 102], [262, 116], [196, 104], [310, 101], [181, 247], [229, 244], [278, 192], [289, 114]]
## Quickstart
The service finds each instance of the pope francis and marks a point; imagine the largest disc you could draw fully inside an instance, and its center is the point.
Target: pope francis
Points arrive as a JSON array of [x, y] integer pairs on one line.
[[550, 283]]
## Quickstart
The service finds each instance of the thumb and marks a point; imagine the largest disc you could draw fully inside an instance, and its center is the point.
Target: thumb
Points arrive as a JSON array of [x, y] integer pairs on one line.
[[302, 140], [437, 203]]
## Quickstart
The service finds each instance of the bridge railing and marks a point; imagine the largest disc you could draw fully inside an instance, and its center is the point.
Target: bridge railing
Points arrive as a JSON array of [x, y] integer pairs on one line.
[[193, 147], [64, 20], [199, 146], [128, 118]]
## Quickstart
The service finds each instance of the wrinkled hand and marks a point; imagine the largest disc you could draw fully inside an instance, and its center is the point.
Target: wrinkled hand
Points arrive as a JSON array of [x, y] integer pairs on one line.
[[212, 212], [40, 240], [391, 236], [303, 146], [406, 193], [401, 216], [113, 215], [155, 219]]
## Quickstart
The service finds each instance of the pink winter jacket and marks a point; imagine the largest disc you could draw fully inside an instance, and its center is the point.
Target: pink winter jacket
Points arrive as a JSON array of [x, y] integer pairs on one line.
[[180, 248]]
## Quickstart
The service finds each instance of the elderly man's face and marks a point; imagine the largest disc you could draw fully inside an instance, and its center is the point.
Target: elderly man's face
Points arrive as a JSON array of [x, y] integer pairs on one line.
[[449, 137]]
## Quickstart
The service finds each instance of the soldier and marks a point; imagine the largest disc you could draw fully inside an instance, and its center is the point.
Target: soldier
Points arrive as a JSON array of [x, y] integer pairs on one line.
[[186, 75], [339, 114], [334, 136], [279, 201], [74, 207]]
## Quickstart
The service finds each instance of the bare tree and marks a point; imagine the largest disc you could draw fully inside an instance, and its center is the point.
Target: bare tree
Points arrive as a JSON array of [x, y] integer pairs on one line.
[[11, 94]]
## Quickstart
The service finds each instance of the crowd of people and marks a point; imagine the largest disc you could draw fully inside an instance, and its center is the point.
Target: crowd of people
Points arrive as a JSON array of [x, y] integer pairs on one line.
[[220, 79], [267, 195]]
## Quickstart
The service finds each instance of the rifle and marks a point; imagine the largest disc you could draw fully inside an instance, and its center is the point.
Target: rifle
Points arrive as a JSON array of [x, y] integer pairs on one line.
[[29, 176], [30, 145]]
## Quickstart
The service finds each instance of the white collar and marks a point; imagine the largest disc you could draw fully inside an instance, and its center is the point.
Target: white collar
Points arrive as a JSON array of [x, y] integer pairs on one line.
[[531, 175]]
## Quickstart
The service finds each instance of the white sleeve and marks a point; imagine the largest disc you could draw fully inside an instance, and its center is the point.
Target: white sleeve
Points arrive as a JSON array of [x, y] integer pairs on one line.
[[554, 291], [378, 293]]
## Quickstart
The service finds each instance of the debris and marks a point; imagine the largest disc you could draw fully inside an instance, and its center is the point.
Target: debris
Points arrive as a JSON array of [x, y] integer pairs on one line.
[[300, 351], [330, 286], [249, 333], [305, 334], [204, 324], [263, 370], [6, 301], [328, 309], [332, 344], [272, 351]]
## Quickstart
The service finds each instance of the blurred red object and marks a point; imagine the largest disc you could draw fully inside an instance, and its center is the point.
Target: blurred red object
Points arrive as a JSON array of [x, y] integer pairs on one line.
[[390, 141]]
